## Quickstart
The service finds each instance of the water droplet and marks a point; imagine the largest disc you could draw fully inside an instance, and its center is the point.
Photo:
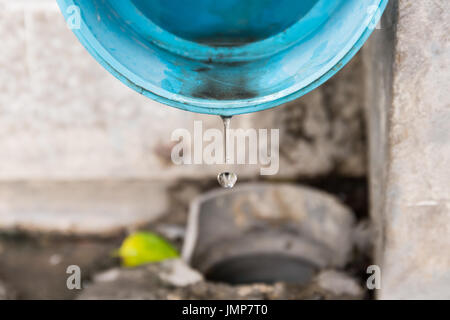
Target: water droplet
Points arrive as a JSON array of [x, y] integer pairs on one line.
[[227, 180]]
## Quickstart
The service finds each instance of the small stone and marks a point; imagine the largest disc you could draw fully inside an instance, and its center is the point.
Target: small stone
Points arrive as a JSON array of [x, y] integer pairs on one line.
[[179, 274], [227, 180], [107, 276], [55, 259], [339, 284], [6, 293]]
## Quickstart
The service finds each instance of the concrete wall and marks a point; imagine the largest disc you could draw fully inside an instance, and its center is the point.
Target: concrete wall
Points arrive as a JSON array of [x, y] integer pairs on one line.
[[409, 120]]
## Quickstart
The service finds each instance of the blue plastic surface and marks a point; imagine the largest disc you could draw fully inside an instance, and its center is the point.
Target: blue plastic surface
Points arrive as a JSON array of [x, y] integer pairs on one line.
[[224, 57]]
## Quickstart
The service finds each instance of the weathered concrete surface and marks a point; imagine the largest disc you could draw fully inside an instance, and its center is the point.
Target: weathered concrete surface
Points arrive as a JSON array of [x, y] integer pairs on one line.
[[324, 131], [379, 61], [149, 283], [34, 267], [410, 175]]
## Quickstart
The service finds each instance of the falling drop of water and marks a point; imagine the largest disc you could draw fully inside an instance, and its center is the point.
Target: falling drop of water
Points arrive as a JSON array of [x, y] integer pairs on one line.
[[226, 180]]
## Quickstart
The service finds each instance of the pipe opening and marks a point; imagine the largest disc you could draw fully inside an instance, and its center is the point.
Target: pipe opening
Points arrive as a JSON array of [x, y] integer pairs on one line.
[[262, 268]]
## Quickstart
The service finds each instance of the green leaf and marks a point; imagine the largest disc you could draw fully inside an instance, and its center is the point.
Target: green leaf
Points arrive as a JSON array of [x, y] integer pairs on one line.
[[144, 247]]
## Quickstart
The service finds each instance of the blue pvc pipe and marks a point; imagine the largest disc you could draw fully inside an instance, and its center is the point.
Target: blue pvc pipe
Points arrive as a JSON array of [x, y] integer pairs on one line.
[[224, 57]]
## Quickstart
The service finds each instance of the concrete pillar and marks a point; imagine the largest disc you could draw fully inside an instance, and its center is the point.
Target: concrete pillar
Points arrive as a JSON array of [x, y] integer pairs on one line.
[[408, 67]]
